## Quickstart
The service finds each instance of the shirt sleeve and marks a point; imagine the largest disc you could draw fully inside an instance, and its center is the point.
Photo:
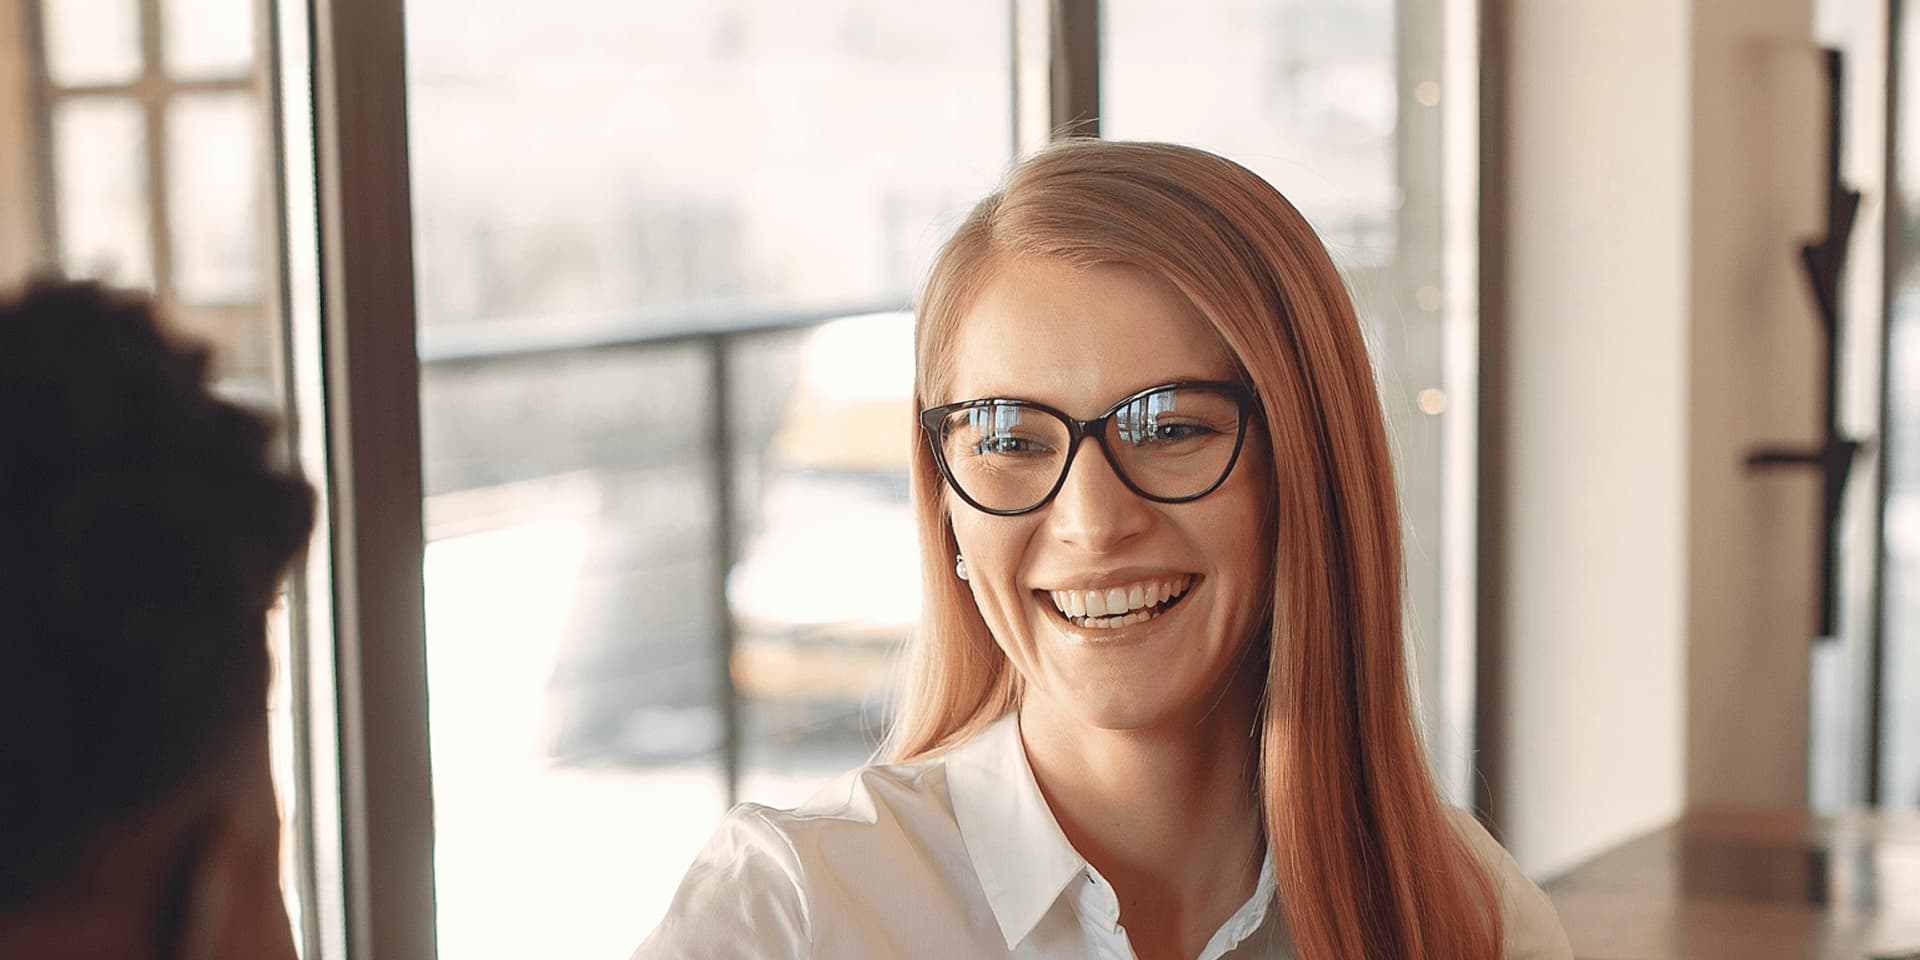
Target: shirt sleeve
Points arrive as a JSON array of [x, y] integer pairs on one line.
[[742, 898], [1531, 926]]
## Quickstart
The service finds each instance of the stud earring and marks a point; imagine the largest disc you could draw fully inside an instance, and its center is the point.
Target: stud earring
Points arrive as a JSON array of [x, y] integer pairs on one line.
[[960, 566]]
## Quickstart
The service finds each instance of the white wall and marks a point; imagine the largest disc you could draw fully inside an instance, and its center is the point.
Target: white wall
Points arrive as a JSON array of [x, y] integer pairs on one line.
[[1660, 163], [1595, 335]]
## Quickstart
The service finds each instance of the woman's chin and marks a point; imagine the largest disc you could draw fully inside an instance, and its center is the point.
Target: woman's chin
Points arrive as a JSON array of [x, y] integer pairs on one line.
[[1115, 699]]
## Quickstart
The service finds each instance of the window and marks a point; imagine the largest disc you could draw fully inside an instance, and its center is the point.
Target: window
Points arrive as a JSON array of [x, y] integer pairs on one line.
[[661, 256]]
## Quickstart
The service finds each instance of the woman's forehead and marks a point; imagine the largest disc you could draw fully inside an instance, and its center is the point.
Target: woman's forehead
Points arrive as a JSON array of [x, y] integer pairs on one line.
[[1076, 336]]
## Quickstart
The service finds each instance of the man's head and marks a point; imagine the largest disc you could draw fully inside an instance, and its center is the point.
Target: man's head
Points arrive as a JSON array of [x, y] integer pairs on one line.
[[143, 535]]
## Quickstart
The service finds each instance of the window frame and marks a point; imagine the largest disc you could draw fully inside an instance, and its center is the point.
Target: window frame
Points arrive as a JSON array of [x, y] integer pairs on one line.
[[370, 363]]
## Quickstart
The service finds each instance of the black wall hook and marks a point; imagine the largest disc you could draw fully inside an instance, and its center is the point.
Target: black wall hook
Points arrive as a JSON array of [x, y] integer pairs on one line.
[[1825, 262]]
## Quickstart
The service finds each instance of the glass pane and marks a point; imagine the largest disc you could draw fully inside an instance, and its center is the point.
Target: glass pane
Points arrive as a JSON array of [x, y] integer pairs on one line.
[[91, 41], [206, 38], [598, 191], [1301, 92], [213, 200], [1335, 104], [100, 190]]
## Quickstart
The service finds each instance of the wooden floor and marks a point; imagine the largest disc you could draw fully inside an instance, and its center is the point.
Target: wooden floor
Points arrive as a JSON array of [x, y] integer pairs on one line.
[[1751, 885]]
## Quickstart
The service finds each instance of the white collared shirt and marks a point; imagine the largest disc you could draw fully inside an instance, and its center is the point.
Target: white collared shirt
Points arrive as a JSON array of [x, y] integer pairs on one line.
[[959, 856]]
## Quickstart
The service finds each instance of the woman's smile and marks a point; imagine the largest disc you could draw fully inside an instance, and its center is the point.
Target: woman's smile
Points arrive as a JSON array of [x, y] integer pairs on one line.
[[1163, 623], [1104, 609]]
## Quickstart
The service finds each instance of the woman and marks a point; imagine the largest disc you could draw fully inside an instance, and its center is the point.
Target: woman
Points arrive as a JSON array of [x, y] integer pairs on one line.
[[1159, 706]]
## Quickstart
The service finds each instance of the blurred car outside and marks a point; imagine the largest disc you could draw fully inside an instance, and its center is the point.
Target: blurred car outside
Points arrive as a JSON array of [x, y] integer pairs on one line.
[[827, 587]]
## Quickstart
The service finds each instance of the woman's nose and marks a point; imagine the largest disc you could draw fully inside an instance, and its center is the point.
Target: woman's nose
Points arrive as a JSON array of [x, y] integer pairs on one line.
[[1094, 509]]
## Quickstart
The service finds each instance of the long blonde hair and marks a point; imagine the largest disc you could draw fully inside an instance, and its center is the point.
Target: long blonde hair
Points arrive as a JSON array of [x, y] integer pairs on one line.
[[1366, 860]]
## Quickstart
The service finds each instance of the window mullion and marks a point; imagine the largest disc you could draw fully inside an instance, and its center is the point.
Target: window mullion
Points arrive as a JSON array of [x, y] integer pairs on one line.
[[1075, 68], [153, 104], [40, 115]]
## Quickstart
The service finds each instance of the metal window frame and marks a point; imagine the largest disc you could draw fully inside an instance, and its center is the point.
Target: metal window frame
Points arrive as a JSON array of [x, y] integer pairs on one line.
[[1492, 452], [1075, 46], [39, 118], [1894, 14], [371, 385]]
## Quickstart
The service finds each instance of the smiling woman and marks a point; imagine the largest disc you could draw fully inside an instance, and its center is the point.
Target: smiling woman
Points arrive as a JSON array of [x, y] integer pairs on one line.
[[1159, 705]]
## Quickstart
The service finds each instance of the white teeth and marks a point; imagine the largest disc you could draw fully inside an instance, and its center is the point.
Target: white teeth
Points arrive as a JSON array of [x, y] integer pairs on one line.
[[1120, 606], [1096, 603]]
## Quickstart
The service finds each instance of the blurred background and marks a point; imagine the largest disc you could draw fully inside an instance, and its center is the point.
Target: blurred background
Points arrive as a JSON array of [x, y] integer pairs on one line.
[[656, 264]]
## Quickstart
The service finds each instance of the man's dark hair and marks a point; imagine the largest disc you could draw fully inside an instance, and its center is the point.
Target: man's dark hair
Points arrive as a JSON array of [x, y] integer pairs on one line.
[[143, 535]]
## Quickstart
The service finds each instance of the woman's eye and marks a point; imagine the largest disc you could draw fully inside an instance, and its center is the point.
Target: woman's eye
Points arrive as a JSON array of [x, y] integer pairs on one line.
[[1004, 445], [1169, 432]]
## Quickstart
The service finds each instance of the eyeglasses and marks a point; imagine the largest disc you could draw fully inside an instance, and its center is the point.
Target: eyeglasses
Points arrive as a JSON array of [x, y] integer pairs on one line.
[[1170, 444]]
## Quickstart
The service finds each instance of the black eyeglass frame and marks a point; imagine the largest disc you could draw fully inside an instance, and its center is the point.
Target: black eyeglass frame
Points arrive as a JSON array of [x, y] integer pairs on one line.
[[934, 418]]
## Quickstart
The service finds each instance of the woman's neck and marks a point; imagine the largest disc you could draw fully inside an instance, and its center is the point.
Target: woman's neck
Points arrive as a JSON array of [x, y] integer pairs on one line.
[[1169, 815]]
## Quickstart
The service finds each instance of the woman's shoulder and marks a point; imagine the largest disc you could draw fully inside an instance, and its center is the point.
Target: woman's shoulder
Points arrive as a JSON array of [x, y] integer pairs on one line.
[[865, 797], [741, 897], [1532, 927], [774, 875]]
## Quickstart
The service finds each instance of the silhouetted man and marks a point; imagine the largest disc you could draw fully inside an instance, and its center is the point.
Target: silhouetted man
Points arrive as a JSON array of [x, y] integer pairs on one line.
[[143, 536]]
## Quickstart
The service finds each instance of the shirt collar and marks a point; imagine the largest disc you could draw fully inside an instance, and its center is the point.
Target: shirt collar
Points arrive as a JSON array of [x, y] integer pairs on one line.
[[1023, 860]]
